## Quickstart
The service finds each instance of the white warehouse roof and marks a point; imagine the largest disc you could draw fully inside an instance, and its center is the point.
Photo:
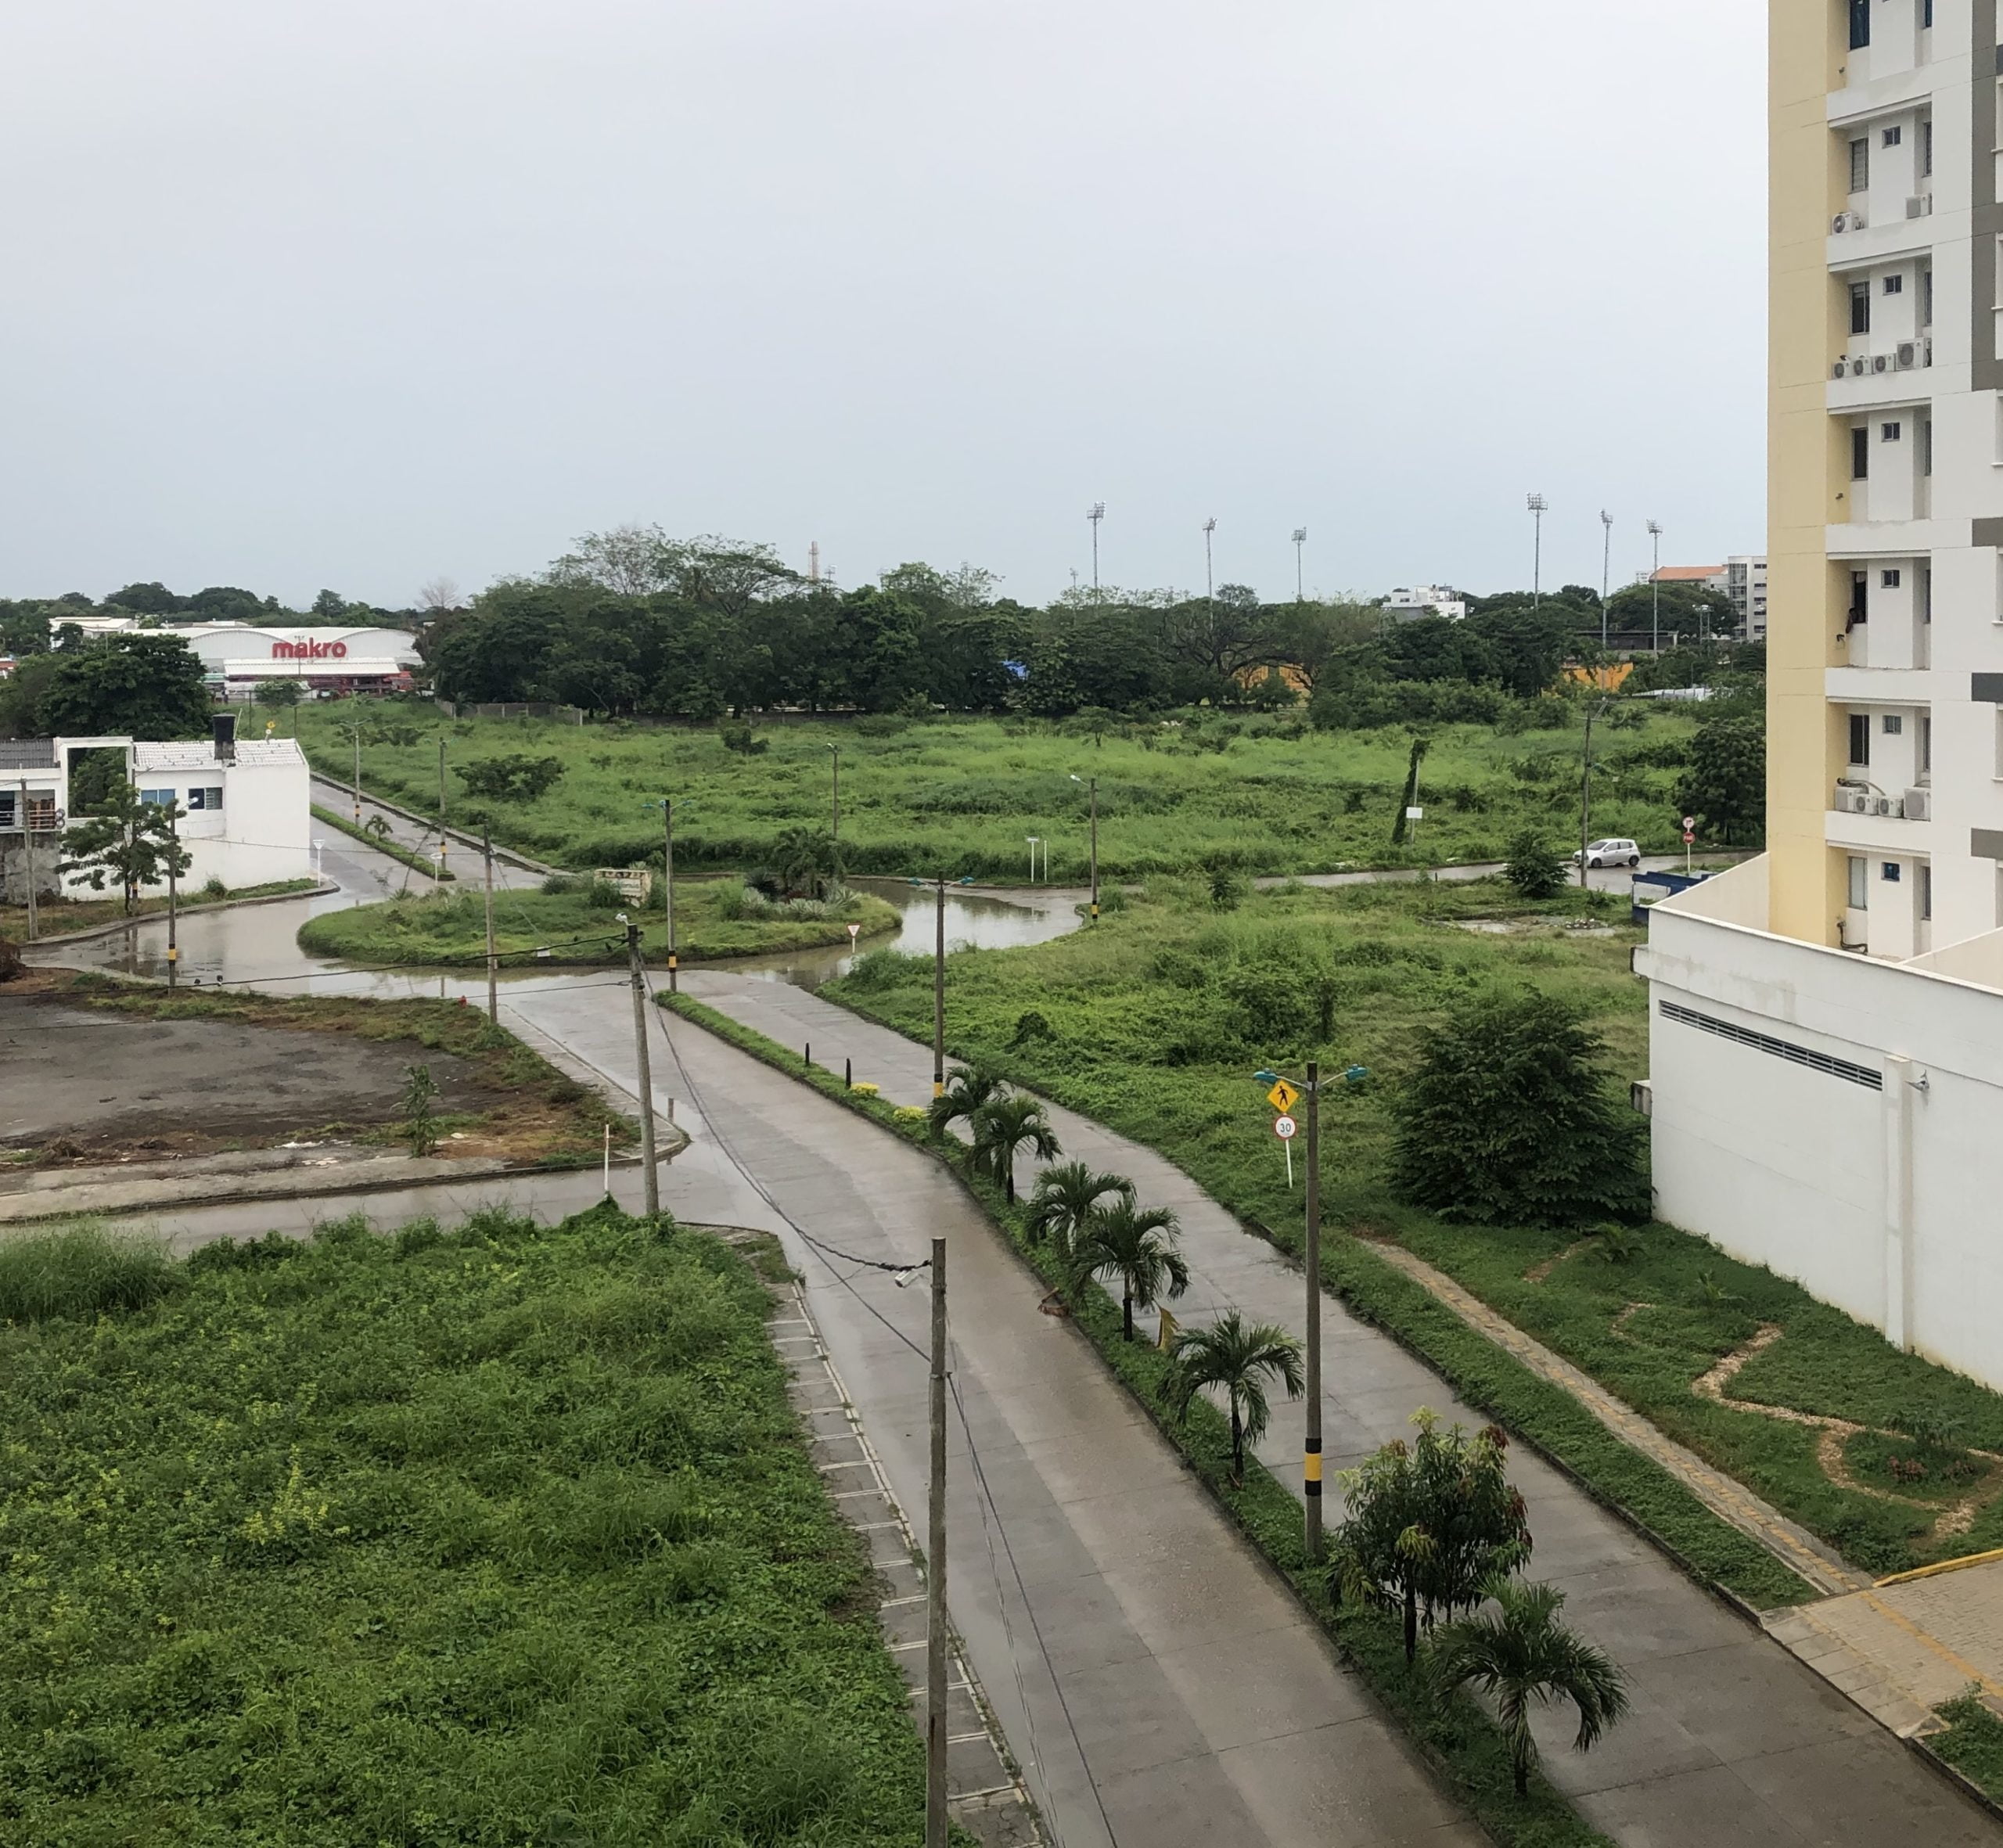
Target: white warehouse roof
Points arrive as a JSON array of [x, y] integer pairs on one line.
[[253, 754]]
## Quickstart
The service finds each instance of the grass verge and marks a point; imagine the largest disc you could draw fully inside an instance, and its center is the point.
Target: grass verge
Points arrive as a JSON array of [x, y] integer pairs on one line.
[[504, 1534], [1453, 1734], [579, 928], [56, 917], [383, 843], [1972, 1744]]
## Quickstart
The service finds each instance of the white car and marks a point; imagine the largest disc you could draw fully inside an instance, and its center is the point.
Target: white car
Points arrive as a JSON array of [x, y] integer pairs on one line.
[[1611, 852]]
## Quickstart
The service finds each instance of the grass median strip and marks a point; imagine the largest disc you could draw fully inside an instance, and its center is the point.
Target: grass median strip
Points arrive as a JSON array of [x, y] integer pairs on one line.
[[383, 843], [507, 1533], [1454, 1735]]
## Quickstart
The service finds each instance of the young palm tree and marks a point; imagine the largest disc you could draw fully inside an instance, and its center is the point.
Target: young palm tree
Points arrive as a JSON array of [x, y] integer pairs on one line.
[[1520, 1654], [1138, 1248], [1238, 1358], [968, 1088], [1066, 1199], [1002, 1129]]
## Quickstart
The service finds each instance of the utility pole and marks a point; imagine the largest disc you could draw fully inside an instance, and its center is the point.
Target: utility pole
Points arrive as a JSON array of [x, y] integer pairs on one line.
[[1096, 513], [668, 816], [1606, 569], [1300, 565], [1539, 506], [1655, 579], [646, 1069], [443, 844], [935, 1569], [492, 962], [1210, 575], [1586, 799], [939, 1000], [173, 896], [1311, 1464], [357, 773], [27, 853], [835, 831], [1094, 797]]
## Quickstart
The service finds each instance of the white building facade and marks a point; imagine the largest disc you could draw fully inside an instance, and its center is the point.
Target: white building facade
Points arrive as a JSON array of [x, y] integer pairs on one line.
[[1827, 1021], [1410, 602]]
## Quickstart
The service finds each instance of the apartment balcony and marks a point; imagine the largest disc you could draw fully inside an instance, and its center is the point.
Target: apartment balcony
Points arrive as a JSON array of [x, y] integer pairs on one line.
[[1867, 819], [1901, 372]]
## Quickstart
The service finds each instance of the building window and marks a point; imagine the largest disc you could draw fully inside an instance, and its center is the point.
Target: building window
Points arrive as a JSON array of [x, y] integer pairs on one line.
[[1926, 296], [1860, 24], [1895, 285], [1926, 14], [159, 798], [7, 809], [1889, 580], [1893, 136], [1860, 739], [210, 799], [1891, 433], [1924, 872], [1925, 745], [1860, 596], [1894, 724], [1926, 445], [1926, 148], [1890, 872], [1860, 885], [1860, 166], [1860, 454], [1860, 307]]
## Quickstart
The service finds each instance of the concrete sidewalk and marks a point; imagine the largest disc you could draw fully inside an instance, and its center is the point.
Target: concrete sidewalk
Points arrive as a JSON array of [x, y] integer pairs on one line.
[[1729, 1741], [1161, 1688]]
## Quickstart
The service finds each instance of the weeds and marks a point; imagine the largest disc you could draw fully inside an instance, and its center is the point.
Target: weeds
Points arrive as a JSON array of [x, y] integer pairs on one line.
[[79, 1272]]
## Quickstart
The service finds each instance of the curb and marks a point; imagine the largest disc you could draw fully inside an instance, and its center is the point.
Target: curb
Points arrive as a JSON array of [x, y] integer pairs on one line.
[[326, 888], [520, 860]]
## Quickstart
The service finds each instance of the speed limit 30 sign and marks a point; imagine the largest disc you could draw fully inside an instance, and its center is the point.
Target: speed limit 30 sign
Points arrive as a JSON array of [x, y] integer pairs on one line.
[[1285, 1128]]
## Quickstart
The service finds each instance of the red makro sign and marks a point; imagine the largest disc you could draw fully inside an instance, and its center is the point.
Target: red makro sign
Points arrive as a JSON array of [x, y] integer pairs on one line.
[[308, 651]]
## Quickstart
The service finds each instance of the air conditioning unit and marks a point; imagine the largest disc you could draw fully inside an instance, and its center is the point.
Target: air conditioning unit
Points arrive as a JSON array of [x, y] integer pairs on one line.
[[1881, 362], [1840, 370], [1845, 222], [1919, 206], [1884, 805], [1853, 800], [1919, 805], [1908, 356], [1859, 367]]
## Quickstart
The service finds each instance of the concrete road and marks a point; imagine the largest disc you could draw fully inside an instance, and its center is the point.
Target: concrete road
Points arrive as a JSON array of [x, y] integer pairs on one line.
[[1731, 1740]]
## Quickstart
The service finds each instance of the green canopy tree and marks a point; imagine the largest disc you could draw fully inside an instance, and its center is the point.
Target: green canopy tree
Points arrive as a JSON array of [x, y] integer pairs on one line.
[[127, 843], [1726, 788], [131, 686]]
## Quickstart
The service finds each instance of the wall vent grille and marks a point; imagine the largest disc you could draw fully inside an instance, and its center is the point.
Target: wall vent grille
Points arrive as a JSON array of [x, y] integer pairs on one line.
[[1761, 1042]]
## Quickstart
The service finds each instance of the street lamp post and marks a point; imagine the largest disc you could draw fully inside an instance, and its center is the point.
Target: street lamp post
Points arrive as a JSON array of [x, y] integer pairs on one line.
[[835, 827], [1655, 579], [1300, 565], [1095, 513], [939, 998], [1539, 506], [1209, 575], [1033, 839], [1092, 789], [1606, 569], [668, 896]]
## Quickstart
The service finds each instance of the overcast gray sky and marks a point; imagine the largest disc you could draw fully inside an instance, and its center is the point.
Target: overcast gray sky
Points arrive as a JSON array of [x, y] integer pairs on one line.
[[360, 293]]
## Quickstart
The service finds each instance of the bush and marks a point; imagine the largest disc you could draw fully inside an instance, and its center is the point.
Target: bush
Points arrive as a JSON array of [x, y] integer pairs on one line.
[[1510, 1121], [1535, 869], [516, 778], [79, 1272], [741, 739]]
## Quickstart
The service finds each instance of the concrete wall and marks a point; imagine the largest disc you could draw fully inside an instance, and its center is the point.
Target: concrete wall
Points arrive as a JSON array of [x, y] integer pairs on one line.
[[1851, 1152]]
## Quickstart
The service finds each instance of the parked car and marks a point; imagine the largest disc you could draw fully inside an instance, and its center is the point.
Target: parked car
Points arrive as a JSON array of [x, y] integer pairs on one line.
[[1610, 853]]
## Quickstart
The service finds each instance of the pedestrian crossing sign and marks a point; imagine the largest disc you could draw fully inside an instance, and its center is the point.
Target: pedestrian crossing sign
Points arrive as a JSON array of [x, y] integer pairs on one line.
[[1283, 1097]]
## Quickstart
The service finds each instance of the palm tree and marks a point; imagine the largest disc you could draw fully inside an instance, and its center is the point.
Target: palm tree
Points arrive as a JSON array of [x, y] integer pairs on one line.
[[1238, 1358], [804, 858], [1137, 1247], [1520, 1653], [1066, 1199], [1005, 1126], [968, 1089]]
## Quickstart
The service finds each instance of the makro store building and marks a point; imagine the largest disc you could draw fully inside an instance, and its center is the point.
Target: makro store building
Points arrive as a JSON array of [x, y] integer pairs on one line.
[[237, 658]]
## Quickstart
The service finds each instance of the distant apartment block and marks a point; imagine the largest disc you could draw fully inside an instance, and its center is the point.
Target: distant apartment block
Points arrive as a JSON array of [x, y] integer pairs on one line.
[[1740, 585], [1411, 602]]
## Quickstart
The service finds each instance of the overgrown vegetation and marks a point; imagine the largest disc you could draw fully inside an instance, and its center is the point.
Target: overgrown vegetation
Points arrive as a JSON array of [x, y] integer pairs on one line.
[[1236, 793], [1156, 1019], [577, 923], [382, 843], [494, 1536], [1973, 1743]]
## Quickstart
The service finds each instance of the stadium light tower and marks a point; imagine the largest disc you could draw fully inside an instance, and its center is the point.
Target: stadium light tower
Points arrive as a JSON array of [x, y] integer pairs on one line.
[[1655, 579], [1210, 575], [1299, 569], [1539, 506], [1606, 569], [1095, 513]]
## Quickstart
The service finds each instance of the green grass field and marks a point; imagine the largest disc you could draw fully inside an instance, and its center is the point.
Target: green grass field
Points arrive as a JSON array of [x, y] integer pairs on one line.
[[449, 929], [1154, 1021], [497, 1537], [1261, 795]]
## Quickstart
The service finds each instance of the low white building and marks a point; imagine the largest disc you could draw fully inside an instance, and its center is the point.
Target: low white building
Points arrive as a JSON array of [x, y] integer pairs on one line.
[[246, 813], [1410, 602], [236, 657]]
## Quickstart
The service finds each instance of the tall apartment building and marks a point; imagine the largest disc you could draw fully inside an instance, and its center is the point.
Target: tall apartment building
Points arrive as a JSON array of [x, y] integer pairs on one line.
[[1827, 1031]]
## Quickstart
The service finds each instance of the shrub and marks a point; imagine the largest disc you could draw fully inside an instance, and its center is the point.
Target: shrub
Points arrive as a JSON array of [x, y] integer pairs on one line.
[[516, 778], [739, 738], [1535, 869], [1509, 1120], [79, 1272]]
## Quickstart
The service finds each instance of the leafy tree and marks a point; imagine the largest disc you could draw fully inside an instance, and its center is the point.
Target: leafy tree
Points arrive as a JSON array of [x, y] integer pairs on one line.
[[1509, 1120], [1409, 800], [1064, 1200], [1726, 789], [129, 843], [279, 695], [329, 607], [1520, 1656], [130, 686], [1002, 1129], [1312, 637], [23, 629], [1138, 1248], [146, 599], [805, 860], [1535, 869], [514, 778], [1428, 1523], [1527, 643], [227, 603], [1237, 1360]]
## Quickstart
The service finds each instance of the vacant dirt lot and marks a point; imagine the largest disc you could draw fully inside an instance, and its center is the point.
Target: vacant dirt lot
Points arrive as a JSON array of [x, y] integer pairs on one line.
[[79, 1082]]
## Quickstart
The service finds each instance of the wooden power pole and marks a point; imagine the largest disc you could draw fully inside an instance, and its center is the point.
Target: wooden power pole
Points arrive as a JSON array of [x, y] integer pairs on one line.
[[493, 961], [935, 1571], [652, 1182]]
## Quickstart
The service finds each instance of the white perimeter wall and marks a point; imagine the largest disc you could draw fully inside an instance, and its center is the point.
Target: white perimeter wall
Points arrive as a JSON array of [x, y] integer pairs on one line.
[[1881, 1201]]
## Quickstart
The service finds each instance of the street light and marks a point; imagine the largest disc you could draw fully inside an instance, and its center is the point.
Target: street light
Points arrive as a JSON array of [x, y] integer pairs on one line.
[[1539, 506], [1299, 579], [1095, 513], [1606, 569], [666, 807], [1033, 840], [835, 831], [1654, 578], [1209, 576], [1092, 784]]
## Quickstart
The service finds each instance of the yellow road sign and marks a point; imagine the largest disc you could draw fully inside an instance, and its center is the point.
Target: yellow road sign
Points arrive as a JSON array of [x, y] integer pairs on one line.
[[1283, 1097]]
